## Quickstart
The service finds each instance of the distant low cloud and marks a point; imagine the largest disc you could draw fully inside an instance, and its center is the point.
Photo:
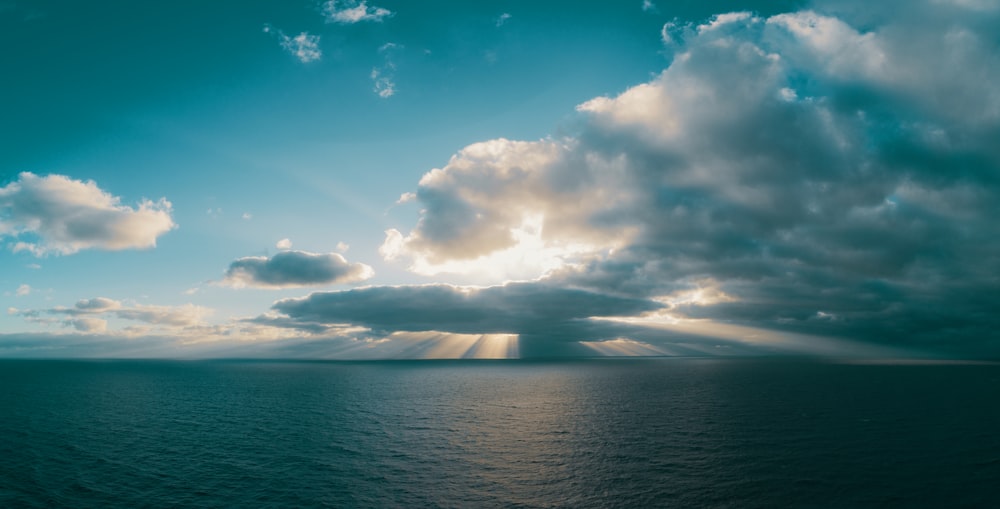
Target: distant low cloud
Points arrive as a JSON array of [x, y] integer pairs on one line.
[[57, 214], [352, 11], [515, 308], [23, 290], [294, 268], [284, 244], [90, 325], [89, 315]]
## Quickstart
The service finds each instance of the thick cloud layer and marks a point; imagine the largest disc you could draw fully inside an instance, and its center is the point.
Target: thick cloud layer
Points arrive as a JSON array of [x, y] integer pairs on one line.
[[515, 308], [835, 175], [56, 214], [294, 268]]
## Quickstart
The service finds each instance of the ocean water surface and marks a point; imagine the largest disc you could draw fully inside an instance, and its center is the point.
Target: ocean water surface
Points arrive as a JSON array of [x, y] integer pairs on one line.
[[733, 433]]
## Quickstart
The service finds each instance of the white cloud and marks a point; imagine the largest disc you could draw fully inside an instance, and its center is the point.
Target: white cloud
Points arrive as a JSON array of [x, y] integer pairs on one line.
[[648, 6], [351, 11], [304, 46], [247, 216], [513, 209], [23, 290], [56, 214], [382, 84], [383, 77], [502, 19], [284, 244]]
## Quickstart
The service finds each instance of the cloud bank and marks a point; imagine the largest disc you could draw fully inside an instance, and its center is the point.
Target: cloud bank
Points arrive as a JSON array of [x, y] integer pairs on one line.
[[86, 315], [56, 214], [829, 174], [294, 268]]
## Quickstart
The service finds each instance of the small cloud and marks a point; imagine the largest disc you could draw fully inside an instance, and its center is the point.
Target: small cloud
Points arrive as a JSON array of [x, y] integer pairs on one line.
[[247, 216], [305, 47], [289, 269], [342, 247], [62, 215], [33, 266], [383, 77], [502, 19], [383, 86], [284, 244], [648, 6], [406, 198], [192, 291], [348, 12], [23, 290]]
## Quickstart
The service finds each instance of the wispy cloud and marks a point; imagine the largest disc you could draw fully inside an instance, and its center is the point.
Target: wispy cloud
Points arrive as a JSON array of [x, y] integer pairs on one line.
[[23, 290], [648, 6], [89, 315], [57, 214], [502, 19], [352, 11], [304, 47], [384, 76]]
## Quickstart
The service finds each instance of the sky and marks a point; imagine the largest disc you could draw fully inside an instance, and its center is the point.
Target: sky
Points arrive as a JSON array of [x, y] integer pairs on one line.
[[373, 179]]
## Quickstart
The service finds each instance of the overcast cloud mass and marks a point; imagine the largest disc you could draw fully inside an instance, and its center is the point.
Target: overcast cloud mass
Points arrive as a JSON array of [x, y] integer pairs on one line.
[[823, 178]]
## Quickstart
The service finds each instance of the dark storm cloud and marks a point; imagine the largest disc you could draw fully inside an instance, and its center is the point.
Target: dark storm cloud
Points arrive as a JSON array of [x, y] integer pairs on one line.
[[515, 308], [294, 268]]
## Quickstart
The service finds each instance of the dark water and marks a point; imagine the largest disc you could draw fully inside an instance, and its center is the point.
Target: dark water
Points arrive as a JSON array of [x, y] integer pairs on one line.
[[593, 433]]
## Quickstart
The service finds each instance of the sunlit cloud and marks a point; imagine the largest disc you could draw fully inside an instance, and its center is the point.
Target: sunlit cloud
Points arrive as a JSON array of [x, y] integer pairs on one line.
[[60, 215]]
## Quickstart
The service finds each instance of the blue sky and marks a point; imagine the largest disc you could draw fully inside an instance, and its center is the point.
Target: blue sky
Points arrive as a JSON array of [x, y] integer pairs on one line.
[[374, 179]]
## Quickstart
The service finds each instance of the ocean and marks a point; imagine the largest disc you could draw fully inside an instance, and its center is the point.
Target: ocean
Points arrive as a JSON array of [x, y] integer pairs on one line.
[[631, 433]]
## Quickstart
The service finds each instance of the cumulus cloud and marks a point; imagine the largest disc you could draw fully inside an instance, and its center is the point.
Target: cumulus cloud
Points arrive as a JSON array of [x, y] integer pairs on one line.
[[23, 290], [284, 244], [829, 174], [348, 12], [294, 268], [57, 214]]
